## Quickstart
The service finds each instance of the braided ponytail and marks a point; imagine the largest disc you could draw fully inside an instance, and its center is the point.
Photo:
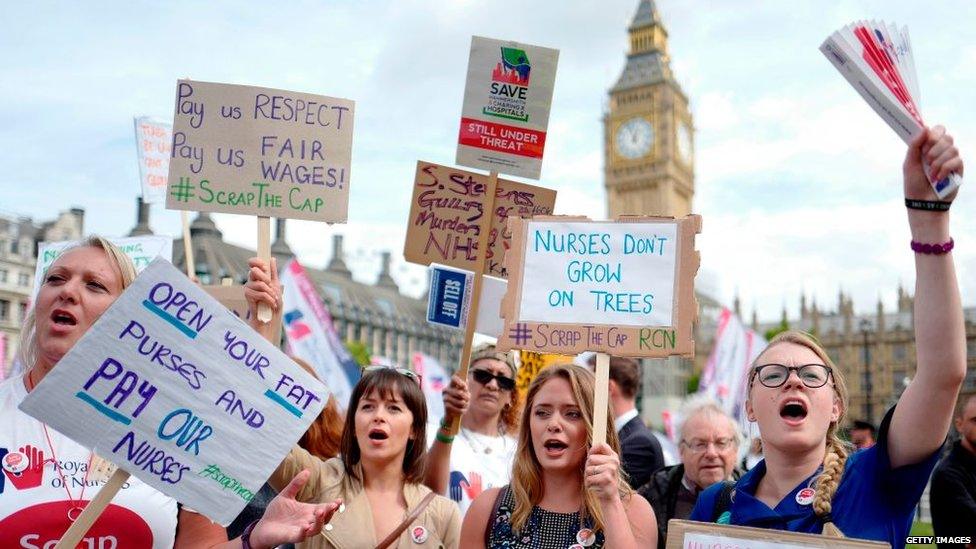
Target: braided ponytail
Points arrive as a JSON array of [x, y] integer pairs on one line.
[[835, 457]]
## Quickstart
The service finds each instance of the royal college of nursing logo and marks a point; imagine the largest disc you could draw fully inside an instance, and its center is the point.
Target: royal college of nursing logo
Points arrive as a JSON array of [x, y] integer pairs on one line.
[[509, 86]]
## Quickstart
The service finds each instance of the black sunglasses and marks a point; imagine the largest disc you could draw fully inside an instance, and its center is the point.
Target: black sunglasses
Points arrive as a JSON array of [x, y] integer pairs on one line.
[[484, 377]]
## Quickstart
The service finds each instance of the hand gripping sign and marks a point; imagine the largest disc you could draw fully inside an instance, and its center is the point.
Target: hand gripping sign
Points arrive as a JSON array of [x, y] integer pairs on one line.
[[168, 384]]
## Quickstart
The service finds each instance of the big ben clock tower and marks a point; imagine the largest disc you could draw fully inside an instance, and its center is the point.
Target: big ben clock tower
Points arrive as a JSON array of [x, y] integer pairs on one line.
[[648, 131]]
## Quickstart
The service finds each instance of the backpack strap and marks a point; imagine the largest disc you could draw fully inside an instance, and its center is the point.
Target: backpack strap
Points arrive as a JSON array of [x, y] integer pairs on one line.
[[723, 502], [494, 513]]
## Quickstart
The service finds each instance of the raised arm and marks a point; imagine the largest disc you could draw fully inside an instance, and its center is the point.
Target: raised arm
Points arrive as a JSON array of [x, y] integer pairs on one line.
[[922, 417], [438, 472]]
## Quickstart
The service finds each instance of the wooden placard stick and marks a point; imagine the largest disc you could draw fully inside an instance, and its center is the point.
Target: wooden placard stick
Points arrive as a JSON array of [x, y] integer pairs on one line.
[[191, 269], [602, 392], [93, 510], [264, 253], [487, 213]]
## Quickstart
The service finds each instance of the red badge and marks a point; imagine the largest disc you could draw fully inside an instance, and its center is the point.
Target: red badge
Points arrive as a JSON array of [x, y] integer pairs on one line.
[[805, 496]]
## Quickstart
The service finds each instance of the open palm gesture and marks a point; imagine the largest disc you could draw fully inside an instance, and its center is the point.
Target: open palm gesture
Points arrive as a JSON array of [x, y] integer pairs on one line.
[[287, 520]]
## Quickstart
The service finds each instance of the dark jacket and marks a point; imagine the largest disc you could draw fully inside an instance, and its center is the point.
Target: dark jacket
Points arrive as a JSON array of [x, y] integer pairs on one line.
[[662, 493], [953, 494], [640, 452]]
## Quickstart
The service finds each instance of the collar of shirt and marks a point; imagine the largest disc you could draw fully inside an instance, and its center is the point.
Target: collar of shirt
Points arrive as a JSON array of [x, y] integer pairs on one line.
[[624, 419], [690, 486], [749, 510]]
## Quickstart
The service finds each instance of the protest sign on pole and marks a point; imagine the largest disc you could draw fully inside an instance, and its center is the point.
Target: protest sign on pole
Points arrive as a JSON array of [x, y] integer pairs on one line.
[[232, 297], [505, 114], [449, 300], [153, 141], [447, 214], [725, 374], [686, 534], [142, 250], [169, 385], [311, 335]]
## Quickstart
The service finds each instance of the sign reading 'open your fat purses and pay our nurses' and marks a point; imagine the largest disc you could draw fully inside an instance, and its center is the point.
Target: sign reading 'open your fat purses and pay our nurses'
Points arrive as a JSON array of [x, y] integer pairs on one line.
[[621, 287], [259, 151], [505, 112], [169, 385]]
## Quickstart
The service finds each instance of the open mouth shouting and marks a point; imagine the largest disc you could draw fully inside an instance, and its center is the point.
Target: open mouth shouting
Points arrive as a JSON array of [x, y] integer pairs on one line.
[[62, 320], [793, 411], [554, 447], [377, 436]]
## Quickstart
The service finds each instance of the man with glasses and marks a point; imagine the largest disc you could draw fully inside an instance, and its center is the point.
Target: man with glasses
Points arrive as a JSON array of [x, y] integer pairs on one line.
[[640, 452], [709, 446]]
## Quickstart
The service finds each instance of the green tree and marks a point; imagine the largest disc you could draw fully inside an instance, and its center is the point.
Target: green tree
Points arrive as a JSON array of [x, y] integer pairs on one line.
[[692, 386], [776, 330], [359, 351]]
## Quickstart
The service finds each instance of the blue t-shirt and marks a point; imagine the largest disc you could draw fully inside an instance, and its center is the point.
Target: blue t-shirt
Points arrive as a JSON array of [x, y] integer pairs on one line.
[[873, 501]]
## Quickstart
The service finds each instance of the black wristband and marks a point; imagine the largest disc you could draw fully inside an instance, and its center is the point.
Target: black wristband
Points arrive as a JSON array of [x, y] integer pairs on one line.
[[927, 205]]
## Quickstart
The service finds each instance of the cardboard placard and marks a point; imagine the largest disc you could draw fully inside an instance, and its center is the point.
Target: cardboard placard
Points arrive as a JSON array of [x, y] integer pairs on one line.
[[449, 296], [169, 385], [505, 112], [625, 287], [233, 298], [259, 151], [142, 250], [686, 534], [154, 139], [446, 217]]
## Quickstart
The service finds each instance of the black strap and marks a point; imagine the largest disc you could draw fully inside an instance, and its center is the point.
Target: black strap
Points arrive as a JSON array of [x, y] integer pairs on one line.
[[724, 500], [928, 205], [494, 513]]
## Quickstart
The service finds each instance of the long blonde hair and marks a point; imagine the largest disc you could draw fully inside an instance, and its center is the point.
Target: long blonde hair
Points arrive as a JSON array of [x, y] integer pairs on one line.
[[526, 486], [836, 450], [28, 333]]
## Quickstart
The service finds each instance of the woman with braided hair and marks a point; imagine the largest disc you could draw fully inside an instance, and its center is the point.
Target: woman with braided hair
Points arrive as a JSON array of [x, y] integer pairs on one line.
[[808, 480]]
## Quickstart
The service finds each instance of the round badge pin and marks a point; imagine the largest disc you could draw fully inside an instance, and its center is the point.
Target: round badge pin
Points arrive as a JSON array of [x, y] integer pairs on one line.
[[586, 537], [805, 496], [575, 546], [15, 462], [418, 534]]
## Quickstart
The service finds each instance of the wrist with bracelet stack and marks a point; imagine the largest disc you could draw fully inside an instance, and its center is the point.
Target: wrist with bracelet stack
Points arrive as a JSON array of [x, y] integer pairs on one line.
[[938, 248], [441, 436]]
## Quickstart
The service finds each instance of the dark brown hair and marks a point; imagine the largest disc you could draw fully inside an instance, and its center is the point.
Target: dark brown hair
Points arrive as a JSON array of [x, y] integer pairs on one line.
[[624, 372], [388, 383]]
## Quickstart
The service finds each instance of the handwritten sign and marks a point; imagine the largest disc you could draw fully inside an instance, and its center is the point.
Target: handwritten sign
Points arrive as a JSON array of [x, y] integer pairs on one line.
[[169, 385], [259, 151], [153, 141], [685, 534], [447, 215], [142, 250], [505, 112], [621, 287]]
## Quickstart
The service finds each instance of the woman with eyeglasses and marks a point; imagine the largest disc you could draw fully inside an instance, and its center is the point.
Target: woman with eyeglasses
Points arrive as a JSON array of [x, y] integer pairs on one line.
[[565, 491], [379, 472], [480, 456], [809, 481]]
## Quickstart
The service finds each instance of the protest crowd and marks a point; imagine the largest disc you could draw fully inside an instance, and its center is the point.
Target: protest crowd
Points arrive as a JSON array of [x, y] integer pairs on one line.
[[194, 426]]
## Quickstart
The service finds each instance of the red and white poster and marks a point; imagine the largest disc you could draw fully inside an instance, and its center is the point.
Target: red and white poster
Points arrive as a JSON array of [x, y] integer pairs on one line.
[[505, 112], [154, 141]]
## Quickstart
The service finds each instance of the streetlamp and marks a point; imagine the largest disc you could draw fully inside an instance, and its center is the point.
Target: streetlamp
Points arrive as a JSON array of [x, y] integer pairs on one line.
[[865, 326]]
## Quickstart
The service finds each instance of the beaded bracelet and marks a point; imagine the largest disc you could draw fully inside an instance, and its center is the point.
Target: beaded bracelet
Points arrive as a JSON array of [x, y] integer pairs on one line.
[[933, 249]]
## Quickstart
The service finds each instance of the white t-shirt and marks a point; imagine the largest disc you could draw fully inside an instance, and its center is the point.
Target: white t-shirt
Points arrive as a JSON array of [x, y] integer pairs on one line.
[[473, 469], [34, 504]]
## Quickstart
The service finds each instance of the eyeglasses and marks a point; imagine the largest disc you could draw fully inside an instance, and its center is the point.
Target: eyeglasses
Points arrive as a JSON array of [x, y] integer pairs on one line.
[[698, 446], [484, 377], [774, 375], [402, 371]]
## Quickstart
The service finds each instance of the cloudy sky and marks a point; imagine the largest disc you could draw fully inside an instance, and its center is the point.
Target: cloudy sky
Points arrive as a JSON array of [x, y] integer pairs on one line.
[[797, 179]]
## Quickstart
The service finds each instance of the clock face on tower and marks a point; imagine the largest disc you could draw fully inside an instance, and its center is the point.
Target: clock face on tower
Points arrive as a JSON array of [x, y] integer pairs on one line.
[[634, 138]]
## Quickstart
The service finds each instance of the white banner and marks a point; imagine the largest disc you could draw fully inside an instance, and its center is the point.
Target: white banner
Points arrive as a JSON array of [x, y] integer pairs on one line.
[[154, 139], [171, 386], [724, 376], [433, 379], [312, 337]]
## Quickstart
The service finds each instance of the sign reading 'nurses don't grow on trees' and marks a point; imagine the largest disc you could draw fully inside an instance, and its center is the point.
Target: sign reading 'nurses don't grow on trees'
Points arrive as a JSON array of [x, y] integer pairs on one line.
[[259, 151], [506, 106], [169, 385], [622, 287]]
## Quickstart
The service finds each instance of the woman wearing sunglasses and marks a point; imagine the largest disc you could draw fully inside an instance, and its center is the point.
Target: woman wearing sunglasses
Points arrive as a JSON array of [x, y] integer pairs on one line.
[[480, 456], [379, 472], [809, 480]]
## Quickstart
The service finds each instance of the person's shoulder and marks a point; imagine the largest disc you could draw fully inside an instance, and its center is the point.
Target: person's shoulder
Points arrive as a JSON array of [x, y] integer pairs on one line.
[[705, 505]]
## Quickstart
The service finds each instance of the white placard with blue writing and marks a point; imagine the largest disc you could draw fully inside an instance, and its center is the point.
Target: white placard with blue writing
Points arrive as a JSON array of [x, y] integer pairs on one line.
[[175, 389], [601, 273]]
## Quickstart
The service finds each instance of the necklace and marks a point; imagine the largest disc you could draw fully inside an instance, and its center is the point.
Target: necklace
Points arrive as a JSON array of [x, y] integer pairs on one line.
[[479, 449], [74, 505]]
